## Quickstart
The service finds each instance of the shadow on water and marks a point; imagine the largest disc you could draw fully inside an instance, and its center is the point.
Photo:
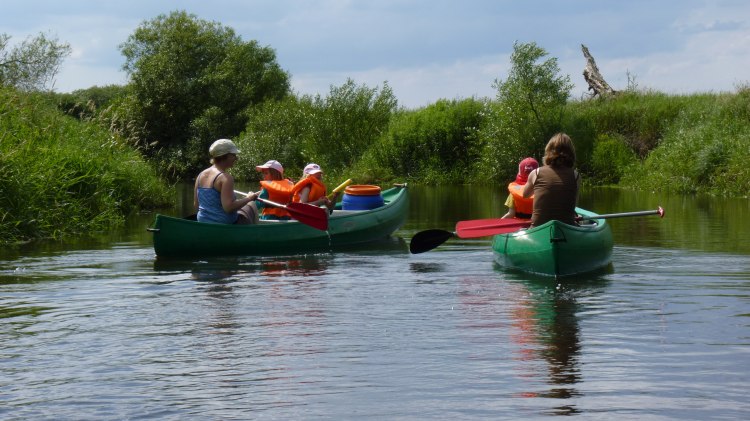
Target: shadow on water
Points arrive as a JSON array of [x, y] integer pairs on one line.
[[547, 329]]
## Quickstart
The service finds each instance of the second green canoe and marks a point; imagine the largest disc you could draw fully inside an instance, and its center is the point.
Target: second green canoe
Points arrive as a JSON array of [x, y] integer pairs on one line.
[[557, 249], [176, 237]]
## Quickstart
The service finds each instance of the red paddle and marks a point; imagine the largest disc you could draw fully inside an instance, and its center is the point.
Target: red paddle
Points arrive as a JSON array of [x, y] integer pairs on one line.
[[486, 227], [307, 214], [313, 216], [429, 239]]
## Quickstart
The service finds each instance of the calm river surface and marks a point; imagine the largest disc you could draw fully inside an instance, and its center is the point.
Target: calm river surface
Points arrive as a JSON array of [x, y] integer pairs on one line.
[[100, 329]]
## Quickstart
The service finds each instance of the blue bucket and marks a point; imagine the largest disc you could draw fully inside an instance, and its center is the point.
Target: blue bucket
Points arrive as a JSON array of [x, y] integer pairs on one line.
[[352, 202]]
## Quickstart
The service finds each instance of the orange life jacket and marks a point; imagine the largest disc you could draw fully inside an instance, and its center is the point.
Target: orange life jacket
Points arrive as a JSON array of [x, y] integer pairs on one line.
[[317, 189], [524, 206], [279, 191]]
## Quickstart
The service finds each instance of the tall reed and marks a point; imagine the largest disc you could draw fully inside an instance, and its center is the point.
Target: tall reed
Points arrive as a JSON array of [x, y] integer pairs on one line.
[[60, 176]]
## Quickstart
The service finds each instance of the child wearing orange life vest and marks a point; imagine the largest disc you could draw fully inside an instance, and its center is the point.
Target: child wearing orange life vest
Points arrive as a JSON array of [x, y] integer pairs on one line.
[[275, 188], [519, 206], [310, 189]]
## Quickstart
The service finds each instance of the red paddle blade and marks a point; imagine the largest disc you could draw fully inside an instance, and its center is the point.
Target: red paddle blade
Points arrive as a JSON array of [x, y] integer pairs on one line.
[[309, 215], [486, 227]]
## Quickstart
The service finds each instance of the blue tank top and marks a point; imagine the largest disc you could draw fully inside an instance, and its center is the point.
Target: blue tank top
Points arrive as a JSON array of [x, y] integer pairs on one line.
[[209, 206]]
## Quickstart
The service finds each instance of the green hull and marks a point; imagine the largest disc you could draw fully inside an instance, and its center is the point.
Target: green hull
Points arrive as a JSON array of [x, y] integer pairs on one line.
[[557, 249], [175, 237]]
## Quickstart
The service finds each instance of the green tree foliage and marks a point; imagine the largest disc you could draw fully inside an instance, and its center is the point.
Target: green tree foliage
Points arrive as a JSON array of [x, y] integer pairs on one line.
[[61, 176], [191, 81], [529, 109], [32, 65], [334, 131], [86, 103], [611, 159], [348, 121], [640, 118], [434, 144], [277, 130], [705, 148], [534, 92]]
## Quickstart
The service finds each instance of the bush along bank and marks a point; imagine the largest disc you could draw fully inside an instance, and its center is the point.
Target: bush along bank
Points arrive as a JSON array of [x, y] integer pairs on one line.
[[60, 176]]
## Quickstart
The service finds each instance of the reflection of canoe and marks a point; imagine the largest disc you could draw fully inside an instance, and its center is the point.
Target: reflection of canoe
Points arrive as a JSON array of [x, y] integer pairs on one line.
[[182, 237], [557, 249]]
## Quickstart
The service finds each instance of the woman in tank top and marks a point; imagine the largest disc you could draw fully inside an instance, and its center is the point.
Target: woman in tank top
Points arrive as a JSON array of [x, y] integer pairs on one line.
[[214, 190], [555, 185]]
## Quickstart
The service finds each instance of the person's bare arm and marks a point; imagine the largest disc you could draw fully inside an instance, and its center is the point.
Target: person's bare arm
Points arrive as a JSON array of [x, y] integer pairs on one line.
[[528, 189]]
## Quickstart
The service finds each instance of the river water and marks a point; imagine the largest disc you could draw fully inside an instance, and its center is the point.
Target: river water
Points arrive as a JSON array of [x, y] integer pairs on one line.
[[99, 329]]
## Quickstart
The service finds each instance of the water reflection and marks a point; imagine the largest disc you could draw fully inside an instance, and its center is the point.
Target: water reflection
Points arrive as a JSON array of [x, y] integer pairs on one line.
[[545, 327], [225, 270]]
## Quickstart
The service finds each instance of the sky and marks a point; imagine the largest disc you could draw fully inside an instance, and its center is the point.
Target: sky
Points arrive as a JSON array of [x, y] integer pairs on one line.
[[425, 50]]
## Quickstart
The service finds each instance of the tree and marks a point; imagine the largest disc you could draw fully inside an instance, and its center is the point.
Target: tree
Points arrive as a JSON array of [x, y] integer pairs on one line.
[[534, 91], [528, 111], [32, 65], [349, 120], [86, 103], [192, 80]]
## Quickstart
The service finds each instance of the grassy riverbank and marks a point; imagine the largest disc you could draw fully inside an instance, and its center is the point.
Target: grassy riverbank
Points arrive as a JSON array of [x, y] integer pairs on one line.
[[60, 176]]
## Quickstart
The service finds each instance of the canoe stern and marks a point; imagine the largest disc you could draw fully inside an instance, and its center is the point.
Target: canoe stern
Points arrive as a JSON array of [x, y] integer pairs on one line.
[[556, 249]]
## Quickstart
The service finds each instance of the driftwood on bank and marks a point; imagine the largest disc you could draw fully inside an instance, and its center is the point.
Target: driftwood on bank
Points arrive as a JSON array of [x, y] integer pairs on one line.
[[593, 77]]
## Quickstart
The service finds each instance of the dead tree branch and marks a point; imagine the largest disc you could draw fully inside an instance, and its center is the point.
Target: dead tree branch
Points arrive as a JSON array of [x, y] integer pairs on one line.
[[593, 77]]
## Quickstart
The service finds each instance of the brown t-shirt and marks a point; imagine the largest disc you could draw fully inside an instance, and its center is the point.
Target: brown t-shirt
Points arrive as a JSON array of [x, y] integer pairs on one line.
[[555, 194]]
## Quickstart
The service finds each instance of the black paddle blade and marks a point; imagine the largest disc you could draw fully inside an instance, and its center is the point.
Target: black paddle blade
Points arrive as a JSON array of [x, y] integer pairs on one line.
[[427, 240]]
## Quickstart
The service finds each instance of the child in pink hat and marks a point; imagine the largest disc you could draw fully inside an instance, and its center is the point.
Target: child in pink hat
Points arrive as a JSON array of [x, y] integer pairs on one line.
[[519, 206]]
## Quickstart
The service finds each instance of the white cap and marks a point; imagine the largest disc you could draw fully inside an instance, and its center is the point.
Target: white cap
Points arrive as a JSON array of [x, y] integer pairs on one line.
[[271, 164], [222, 147], [311, 169]]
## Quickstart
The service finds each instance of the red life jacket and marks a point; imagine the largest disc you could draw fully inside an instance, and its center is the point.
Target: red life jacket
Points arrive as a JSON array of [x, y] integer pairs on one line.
[[317, 189], [524, 206], [279, 191]]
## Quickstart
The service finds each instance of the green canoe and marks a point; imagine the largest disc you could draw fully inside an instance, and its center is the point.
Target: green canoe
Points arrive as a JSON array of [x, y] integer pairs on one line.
[[174, 237], [557, 249]]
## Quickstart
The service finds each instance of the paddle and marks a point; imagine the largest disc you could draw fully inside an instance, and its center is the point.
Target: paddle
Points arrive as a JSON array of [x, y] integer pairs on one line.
[[313, 216], [340, 187], [427, 240], [485, 227]]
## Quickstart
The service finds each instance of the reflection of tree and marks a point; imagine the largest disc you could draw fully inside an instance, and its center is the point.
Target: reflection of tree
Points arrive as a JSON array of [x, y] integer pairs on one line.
[[218, 278], [562, 346], [226, 269], [546, 327]]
